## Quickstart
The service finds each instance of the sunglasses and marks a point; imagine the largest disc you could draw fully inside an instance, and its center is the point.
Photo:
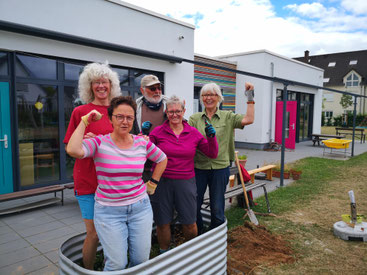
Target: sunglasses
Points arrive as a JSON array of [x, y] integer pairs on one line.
[[153, 89]]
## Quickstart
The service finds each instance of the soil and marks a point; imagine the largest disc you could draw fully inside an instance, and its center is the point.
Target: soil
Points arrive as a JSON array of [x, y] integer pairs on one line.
[[250, 246]]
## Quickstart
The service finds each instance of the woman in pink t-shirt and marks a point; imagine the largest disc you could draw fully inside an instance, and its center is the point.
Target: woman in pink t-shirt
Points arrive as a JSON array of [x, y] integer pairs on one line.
[[122, 213]]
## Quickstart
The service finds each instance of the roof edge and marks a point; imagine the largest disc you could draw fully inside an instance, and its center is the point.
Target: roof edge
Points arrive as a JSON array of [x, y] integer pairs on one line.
[[152, 13], [271, 53]]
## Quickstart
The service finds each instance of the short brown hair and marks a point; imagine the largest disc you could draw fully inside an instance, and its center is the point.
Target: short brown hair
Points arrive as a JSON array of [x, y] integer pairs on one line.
[[121, 100]]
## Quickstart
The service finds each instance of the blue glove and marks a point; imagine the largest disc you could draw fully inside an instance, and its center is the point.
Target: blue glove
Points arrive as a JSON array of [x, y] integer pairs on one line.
[[145, 127], [209, 129]]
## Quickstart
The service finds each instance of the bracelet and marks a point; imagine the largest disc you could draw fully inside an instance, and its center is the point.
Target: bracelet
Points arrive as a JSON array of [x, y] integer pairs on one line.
[[154, 181], [250, 102]]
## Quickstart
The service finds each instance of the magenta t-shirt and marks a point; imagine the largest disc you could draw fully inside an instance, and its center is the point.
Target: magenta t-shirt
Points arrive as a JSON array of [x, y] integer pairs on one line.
[[180, 150]]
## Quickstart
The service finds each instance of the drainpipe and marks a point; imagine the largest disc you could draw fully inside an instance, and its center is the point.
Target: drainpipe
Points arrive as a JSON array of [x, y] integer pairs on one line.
[[271, 102]]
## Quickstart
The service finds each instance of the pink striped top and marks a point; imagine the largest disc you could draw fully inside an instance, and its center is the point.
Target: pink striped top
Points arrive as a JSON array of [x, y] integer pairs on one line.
[[119, 171]]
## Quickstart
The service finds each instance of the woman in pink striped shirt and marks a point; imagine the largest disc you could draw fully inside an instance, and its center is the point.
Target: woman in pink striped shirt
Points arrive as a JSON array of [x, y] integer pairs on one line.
[[122, 213]]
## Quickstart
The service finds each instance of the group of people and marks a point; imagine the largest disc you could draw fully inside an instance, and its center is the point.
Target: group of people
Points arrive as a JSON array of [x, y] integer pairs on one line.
[[142, 161]]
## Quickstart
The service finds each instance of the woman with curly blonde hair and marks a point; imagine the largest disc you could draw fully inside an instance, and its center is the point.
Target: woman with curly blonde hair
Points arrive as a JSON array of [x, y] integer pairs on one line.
[[98, 84]]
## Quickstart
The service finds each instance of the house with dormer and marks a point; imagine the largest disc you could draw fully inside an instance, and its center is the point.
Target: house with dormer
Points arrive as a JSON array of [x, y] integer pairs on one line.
[[347, 72]]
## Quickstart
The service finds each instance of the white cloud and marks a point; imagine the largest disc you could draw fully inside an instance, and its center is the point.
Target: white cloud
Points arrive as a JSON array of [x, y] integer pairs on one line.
[[355, 6], [225, 27], [313, 10]]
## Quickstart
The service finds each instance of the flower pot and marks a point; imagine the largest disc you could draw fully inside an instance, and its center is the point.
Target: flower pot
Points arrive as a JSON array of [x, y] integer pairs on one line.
[[296, 174], [286, 175], [276, 173], [242, 162]]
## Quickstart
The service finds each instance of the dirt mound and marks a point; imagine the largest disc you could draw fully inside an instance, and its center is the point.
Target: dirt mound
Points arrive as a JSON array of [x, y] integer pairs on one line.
[[250, 246]]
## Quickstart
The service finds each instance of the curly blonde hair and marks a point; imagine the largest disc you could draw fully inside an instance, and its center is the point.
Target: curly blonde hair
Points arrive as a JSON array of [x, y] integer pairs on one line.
[[92, 72]]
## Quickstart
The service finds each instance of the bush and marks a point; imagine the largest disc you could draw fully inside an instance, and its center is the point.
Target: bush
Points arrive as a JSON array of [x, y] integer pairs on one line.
[[360, 120]]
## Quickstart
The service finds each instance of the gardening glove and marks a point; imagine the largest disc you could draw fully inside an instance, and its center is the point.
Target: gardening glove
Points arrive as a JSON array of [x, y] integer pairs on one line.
[[249, 91], [145, 127], [93, 115], [209, 129], [151, 186]]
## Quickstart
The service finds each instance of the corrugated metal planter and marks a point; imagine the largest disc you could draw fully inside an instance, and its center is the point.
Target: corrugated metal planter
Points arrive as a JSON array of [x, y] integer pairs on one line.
[[205, 254]]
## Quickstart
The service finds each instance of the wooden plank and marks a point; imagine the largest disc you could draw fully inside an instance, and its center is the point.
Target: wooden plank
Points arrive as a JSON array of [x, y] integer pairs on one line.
[[29, 206], [31, 192], [261, 169]]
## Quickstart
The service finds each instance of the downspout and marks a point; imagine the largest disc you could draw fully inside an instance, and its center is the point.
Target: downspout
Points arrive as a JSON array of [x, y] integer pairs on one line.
[[271, 103]]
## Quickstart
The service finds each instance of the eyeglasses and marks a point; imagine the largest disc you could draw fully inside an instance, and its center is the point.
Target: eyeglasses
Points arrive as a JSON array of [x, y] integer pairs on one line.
[[209, 95], [97, 83], [122, 118], [154, 88], [177, 112]]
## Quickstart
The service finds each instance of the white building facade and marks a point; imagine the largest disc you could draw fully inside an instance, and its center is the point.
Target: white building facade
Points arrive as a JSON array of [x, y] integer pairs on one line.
[[44, 46], [268, 93]]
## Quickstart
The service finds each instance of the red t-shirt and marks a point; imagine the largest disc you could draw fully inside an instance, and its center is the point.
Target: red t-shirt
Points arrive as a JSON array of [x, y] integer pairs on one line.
[[84, 173]]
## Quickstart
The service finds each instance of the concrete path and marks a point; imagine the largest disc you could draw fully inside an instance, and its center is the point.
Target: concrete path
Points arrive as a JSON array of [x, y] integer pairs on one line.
[[29, 241]]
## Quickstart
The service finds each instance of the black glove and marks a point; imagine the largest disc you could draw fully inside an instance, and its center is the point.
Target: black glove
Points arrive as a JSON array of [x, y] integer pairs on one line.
[[209, 129], [145, 127]]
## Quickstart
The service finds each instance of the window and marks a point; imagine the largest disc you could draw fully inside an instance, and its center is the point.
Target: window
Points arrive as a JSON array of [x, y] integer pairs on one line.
[[353, 62], [35, 67], [332, 64], [328, 97], [3, 64], [328, 114], [352, 80], [72, 71]]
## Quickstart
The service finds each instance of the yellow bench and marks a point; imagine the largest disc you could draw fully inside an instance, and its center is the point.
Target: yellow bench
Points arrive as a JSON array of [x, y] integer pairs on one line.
[[268, 170]]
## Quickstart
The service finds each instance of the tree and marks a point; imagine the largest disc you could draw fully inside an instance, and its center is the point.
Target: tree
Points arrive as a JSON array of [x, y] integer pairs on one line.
[[346, 101]]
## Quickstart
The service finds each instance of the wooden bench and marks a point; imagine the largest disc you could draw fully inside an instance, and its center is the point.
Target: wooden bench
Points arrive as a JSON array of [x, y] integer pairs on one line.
[[268, 170], [349, 131], [30, 193], [319, 137], [238, 190]]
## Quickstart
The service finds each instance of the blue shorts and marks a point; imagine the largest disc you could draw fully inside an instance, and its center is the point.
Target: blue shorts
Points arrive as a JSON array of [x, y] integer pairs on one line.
[[86, 204]]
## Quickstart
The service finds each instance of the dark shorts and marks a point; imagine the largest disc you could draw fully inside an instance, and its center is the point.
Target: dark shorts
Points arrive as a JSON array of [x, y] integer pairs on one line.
[[174, 194]]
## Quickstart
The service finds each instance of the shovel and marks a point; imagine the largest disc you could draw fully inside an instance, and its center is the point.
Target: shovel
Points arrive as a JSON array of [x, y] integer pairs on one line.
[[250, 213]]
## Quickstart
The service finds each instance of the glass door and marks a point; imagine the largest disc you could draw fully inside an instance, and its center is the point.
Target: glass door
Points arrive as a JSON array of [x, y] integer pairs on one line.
[[38, 134], [6, 168]]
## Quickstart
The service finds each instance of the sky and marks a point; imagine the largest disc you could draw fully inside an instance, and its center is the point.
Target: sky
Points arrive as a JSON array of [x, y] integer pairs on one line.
[[285, 27]]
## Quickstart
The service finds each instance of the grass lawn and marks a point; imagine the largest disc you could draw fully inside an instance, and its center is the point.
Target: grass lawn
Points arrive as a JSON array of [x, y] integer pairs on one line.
[[306, 211]]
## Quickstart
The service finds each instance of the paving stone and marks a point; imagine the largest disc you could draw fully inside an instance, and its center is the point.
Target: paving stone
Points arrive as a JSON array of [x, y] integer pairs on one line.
[[8, 237], [13, 245], [30, 231], [30, 265], [23, 217], [79, 227], [18, 256], [48, 270], [51, 245], [22, 224], [5, 229], [50, 235], [53, 256], [72, 220]]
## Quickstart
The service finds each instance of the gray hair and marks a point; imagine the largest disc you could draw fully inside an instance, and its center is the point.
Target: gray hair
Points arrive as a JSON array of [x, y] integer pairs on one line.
[[211, 87], [175, 100], [92, 72]]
